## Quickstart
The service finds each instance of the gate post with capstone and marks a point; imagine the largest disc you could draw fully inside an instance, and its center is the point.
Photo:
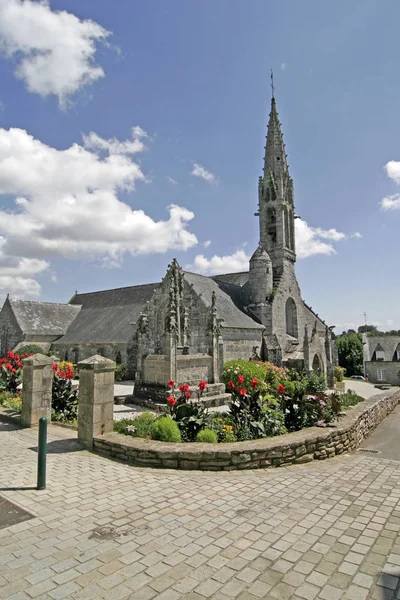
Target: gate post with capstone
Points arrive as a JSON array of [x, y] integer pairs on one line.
[[37, 379], [96, 398]]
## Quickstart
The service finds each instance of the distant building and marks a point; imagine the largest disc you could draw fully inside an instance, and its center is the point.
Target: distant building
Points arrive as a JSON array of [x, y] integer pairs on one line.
[[382, 358], [187, 326]]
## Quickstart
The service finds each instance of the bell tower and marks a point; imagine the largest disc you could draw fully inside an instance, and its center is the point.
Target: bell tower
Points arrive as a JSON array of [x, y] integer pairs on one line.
[[276, 199]]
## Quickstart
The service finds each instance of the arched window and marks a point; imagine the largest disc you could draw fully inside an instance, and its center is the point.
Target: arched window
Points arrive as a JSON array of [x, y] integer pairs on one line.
[[287, 234], [316, 364], [291, 318], [66, 356], [75, 354], [101, 351], [396, 355], [291, 226]]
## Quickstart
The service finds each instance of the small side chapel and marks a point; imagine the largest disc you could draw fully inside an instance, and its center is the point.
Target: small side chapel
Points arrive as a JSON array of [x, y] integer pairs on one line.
[[188, 325]]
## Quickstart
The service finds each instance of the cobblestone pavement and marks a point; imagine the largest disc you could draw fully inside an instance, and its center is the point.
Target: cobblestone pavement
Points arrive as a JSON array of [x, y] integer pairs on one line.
[[102, 529]]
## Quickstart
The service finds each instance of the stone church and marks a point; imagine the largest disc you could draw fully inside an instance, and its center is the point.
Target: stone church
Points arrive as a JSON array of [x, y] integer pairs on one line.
[[187, 326]]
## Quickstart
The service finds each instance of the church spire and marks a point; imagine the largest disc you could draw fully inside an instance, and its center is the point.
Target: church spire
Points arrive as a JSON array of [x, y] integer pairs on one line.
[[275, 153], [276, 198]]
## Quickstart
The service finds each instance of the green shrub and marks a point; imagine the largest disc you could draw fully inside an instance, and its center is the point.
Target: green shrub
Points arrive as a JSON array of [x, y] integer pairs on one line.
[[264, 372], [349, 398], [315, 384], [31, 349], [120, 373], [9, 400], [138, 427], [338, 373], [165, 429], [207, 435]]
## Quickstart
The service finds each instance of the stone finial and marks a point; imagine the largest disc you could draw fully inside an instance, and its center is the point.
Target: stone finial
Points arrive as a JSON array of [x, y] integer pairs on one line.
[[97, 362]]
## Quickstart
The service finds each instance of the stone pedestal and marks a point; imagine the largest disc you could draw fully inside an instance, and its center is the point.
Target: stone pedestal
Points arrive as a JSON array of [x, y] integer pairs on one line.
[[96, 398], [37, 377]]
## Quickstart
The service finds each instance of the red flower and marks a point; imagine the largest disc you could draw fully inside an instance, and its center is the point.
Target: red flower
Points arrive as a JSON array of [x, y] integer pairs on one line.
[[14, 370], [281, 389], [240, 379], [187, 394], [10, 354], [184, 387], [254, 382], [202, 385], [171, 400], [230, 385], [171, 383], [9, 367], [55, 367], [242, 391]]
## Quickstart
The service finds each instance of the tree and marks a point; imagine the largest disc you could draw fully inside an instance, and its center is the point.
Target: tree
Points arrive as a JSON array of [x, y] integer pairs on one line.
[[350, 351], [368, 329]]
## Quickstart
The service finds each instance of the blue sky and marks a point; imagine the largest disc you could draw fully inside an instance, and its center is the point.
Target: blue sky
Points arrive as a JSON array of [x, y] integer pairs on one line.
[[193, 80]]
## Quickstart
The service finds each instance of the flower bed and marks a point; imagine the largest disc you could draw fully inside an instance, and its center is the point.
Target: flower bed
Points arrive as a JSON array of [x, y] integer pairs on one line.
[[298, 447], [266, 401]]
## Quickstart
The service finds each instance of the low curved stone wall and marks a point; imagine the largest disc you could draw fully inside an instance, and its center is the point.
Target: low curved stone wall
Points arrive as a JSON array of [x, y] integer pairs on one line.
[[299, 447]]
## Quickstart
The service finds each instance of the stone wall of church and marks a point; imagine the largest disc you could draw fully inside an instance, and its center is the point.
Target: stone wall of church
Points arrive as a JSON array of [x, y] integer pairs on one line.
[[239, 343], [10, 332], [288, 290], [77, 352]]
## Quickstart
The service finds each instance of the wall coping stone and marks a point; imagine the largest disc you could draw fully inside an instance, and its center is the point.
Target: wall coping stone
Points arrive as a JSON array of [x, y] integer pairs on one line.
[[37, 360], [297, 447]]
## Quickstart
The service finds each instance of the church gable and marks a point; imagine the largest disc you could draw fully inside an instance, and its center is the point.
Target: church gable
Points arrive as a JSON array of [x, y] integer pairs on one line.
[[10, 330]]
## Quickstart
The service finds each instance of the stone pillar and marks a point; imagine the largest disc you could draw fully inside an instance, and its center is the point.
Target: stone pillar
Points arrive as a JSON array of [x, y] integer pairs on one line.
[[37, 377], [96, 398], [171, 354]]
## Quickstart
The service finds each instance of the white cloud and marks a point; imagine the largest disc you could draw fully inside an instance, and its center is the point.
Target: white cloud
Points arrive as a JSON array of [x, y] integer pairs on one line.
[[16, 274], [172, 180], [199, 171], [55, 50], [392, 169], [283, 66], [66, 202], [238, 261], [207, 243], [309, 240], [391, 202], [356, 235], [329, 234]]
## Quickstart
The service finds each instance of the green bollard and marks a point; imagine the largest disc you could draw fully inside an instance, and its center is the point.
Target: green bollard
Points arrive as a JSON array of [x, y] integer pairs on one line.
[[42, 449]]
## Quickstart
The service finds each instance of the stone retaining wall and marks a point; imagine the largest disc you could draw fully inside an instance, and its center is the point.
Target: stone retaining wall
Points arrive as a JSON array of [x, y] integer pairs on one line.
[[292, 448]]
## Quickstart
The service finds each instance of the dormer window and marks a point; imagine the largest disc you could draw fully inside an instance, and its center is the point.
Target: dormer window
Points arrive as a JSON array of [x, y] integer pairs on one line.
[[379, 353]]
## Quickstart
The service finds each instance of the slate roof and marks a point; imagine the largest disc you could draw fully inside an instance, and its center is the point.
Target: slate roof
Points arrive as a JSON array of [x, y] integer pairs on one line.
[[387, 343], [107, 316], [229, 300], [43, 318], [233, 278]]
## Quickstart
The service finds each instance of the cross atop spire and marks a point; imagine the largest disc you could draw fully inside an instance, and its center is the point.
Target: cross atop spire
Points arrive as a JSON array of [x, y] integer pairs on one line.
[[272, 84]]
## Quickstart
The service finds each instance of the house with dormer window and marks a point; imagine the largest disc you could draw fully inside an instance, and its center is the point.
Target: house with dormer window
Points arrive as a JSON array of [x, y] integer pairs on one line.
[[382, 358]]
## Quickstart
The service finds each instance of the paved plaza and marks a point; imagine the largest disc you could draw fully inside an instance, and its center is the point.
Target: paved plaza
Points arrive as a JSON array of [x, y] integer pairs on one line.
[[326, 530]]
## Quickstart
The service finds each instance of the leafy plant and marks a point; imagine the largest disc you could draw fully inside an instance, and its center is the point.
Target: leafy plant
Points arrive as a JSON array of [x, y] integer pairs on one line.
[[191, 417], [138, 427], [64, 399], [208, 436], [338, 373], [347, 399], [29, 349], [9, 400], [165, 429], [120, 372], [11, 372]]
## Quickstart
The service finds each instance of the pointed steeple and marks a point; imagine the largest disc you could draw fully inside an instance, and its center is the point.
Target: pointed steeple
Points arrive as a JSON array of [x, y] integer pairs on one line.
[[276, 198], [275, 153]]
